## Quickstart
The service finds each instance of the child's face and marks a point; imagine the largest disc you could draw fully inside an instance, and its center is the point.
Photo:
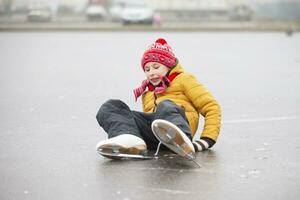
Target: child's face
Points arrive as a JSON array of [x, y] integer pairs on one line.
[[154, 71]]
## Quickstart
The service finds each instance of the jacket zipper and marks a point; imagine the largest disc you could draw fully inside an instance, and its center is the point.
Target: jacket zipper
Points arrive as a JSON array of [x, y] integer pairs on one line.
[[155, 105]]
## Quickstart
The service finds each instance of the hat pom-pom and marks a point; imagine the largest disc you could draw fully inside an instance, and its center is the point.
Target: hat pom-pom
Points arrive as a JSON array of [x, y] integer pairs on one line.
[[161, 41]]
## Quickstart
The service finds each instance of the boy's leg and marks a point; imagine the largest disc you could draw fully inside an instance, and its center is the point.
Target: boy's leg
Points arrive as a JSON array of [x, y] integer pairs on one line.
[[172, 129], [116, 118], [173, 113]]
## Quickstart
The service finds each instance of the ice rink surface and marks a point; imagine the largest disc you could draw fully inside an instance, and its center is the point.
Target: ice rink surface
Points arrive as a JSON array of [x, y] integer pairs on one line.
[[52, 85]]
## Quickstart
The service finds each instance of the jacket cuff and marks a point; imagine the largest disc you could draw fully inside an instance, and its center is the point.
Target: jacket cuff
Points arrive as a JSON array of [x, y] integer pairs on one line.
[[209, 141]]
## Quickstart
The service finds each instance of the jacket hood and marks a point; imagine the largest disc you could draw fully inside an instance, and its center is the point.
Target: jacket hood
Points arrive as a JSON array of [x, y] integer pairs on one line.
[[178, 68]]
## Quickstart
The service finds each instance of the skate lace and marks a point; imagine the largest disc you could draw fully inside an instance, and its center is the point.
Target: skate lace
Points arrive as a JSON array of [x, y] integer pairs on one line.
[[157, 149]]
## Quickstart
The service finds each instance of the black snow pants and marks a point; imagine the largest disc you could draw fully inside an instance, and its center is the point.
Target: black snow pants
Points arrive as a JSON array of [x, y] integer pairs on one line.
[[116, 118]]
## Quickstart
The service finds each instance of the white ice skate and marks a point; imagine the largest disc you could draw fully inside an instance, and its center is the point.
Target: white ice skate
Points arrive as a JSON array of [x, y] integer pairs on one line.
[[174, 138], [123, 146]]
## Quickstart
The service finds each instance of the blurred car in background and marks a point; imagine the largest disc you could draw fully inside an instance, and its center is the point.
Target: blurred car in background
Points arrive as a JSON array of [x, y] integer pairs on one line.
[[96, 12], [39, 14], [116, 9], [131, 11], [240, 13], [137, 12]]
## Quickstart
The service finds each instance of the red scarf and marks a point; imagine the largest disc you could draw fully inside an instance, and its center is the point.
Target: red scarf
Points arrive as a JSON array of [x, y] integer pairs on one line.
[[165, 82]]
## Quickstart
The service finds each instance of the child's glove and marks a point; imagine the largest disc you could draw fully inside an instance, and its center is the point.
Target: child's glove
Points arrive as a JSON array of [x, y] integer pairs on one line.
[[203, 144]]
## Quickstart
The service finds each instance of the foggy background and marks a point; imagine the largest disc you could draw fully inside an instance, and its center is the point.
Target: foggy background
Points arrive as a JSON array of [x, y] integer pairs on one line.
[[83, 14]]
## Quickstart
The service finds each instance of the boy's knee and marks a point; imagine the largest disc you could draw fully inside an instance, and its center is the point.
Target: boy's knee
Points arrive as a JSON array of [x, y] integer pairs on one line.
[[112, 102], [99, 114], [110, 106], [167, 105], [168, 108], [107, 107]]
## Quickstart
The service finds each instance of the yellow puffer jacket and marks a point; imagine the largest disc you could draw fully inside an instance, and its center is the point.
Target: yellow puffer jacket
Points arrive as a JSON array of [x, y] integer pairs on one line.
[[188, 93]]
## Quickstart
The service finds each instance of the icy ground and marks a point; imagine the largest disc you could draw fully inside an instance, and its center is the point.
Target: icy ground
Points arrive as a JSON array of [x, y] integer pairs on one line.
[[52, 84]]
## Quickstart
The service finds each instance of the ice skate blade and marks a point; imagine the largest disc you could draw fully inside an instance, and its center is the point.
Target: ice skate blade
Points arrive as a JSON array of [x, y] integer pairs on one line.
[[190, 156], [200, 166], [119, 156]]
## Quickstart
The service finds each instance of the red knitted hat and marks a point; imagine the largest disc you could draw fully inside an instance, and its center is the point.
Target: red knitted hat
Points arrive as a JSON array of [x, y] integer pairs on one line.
[[159, 52]]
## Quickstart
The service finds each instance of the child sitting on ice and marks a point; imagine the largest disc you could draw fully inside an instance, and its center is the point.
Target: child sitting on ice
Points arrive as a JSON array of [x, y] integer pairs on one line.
[[172, 101]]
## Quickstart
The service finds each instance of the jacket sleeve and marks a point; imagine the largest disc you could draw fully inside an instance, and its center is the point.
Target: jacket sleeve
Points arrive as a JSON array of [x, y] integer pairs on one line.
[[205, 104]]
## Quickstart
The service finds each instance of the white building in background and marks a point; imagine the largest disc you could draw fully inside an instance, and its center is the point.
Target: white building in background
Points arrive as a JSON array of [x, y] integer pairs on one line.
[[204, 4], [188, 4], [155, 4], [77, 5]]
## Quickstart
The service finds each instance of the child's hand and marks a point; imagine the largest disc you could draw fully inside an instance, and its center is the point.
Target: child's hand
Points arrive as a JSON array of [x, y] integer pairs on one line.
[[203, 144]]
